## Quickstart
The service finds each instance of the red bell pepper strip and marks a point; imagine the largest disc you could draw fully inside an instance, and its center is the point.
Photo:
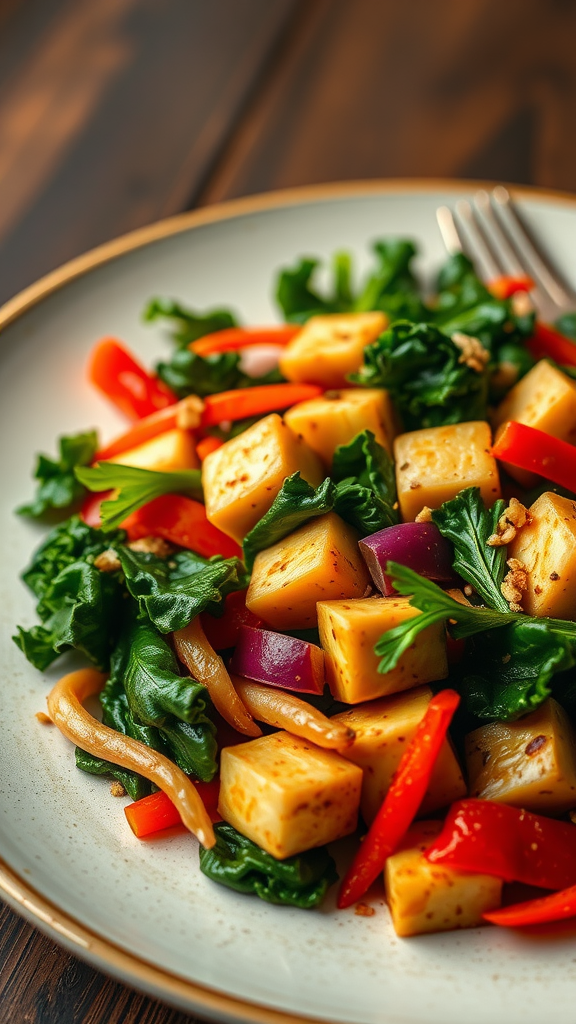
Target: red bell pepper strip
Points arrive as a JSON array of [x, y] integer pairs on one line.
[[245, 402], [555, 907], [90, 510], [402, 800], [495, 839], [506, 286], [206, 446], [233, 338], [181, 521], [115, 372], [156, 812], [528, 448], [223, 633], [548, 342]]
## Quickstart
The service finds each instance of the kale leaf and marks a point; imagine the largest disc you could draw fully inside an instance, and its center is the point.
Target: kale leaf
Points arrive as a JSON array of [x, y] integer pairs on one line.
[[188, 373], [237, 862], [295, 504], [566, 324], [172, 593], [362, 493], [467, 523], [420, 367], [506, 671], [136, 487], [390, 287], [366, 484], [78, 605], [159, 698], [187, 326], [58, 487]]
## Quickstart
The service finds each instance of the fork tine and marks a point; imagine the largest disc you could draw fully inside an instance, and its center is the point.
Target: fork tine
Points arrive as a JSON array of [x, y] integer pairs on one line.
[[475, 244], [536, 266], [496, 236], [450, 235]]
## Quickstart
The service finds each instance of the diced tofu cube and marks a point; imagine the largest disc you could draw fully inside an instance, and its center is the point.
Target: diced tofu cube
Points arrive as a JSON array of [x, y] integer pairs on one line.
[[339, 416], [547, 548], [175, 449], [546, 399], [433, 465], [383, 729], [348, 632], [328, 348], [425, 897], [319, 561], [288, 795], [529, 763], [242, 478]]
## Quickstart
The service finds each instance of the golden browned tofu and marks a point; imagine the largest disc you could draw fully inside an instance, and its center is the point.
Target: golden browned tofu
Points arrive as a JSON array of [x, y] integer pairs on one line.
[[242, 478], [547, 547], [425, 897], [383, 729], [288, 795], [172, 450], [328, 348], [320, 560], [546, 399], [348, 632], [338, 416], [529, 763], [434, 464]]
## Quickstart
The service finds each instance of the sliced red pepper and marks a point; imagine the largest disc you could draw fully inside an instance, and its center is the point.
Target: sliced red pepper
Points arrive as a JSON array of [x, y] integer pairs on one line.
[[246, 402], [528, 448], [223, 633], [555, 907], [233, 338], [548, 342], [115, 371], [206, 446], [181, 521], [156, 812], [90, 511], [402, 800], [495, 839], [507, 285]]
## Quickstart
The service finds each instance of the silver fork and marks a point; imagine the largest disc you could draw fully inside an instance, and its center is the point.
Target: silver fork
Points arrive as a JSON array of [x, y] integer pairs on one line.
[[490, 232]]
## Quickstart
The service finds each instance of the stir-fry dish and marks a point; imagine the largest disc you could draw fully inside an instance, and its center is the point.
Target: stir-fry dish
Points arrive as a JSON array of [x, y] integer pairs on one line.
[[325, 584]]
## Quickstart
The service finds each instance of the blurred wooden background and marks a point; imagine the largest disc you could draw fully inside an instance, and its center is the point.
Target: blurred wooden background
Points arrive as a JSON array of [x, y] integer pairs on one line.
[[114, 113]]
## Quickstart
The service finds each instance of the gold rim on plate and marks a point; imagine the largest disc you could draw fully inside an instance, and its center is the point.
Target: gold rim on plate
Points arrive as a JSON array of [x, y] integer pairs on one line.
[[18, 893]]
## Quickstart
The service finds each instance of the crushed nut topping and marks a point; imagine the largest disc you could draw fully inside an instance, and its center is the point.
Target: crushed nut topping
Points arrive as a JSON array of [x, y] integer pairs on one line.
[[108, 561], [512, 519], [364, 910], [117, 789], [189, 413], [514, 584], [425, 516], [472, 351], [152, 546], [468, 590]]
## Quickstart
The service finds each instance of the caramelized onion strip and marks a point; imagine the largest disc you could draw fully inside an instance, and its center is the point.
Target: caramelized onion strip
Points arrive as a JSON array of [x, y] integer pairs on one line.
[[201, 660], [65, 702], [276, 707]]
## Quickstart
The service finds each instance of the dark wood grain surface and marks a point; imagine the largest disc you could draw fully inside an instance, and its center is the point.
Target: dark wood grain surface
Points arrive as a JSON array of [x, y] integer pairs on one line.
[[116, 113]]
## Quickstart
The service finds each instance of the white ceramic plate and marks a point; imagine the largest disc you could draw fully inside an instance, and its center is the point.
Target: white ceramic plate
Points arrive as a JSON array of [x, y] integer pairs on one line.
[[141, 910]]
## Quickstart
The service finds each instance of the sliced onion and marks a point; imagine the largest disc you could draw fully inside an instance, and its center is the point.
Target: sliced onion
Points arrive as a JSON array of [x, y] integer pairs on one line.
[[419, 546], [285, 711], [278, 660]]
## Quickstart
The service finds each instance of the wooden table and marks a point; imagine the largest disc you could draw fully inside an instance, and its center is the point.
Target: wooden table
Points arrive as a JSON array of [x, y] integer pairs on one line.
[[116, 113]]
